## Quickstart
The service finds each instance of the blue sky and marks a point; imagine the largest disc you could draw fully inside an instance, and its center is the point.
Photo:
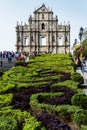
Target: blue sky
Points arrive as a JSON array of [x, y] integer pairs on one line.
[[12, 11]]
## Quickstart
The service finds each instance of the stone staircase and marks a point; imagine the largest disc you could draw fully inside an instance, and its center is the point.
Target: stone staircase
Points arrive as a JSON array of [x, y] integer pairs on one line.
[[6, 65], [83, 74]]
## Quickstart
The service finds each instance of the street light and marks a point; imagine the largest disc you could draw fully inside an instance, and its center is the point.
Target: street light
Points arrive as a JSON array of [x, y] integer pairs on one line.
[[75, 42], [80, 34]]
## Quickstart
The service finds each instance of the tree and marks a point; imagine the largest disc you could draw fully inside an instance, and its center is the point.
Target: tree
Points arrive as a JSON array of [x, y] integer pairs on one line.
[[77, 50], [84, 34], [84, 46], [84, 42]]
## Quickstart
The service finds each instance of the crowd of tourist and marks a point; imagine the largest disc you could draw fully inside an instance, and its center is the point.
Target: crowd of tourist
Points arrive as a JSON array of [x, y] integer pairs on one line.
[[4, 54], [11, 54]]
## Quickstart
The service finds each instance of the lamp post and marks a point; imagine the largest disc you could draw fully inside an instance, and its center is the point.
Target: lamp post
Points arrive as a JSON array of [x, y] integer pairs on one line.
[[75, 42], [80, 34], [74, 45]]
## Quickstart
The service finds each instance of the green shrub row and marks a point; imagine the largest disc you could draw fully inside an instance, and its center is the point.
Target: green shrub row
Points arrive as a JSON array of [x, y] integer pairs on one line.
[[1, 73], [21, 63], [35, 74], [8, 123], [77, 78], [68, 83], [61, 110], [27, 121], [80, 117], [6, 99], [83, 127], [79, 100]]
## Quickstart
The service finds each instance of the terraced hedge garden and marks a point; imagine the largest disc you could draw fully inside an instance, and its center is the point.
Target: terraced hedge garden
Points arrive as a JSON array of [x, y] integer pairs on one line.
[[43, 94]]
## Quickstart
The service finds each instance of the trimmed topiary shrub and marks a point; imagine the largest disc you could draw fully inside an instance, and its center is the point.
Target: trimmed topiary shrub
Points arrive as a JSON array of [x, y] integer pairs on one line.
[[77, 77], [1, 73], [79, 100], [80, 117], [83, 127], [5, 99], [20, 63], [32, 124], [8, 123]]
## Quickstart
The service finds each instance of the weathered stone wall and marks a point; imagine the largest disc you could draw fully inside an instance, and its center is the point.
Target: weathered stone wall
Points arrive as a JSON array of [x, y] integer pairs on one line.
[[43, 33]]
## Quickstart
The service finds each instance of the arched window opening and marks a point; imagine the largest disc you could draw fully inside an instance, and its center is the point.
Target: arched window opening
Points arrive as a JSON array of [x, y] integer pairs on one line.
[[60, 41], [42, 41], [26, 39], [43, 26]]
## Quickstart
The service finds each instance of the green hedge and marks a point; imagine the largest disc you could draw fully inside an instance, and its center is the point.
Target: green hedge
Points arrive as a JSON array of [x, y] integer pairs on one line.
[[1, 73], [80, 117], [68, 83], [59, 110], [8, 123], [79, 100], [5, 100], [31, 124], [83, 127], [37, 74], [77, 78], [28, 122], [21, 63]]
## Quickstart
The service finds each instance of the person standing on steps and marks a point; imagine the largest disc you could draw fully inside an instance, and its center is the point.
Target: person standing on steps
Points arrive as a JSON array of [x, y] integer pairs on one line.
[[79, 63], [9, 57], [83, 65], [82, 68], [84, 61], [0, 58], [0, 61]]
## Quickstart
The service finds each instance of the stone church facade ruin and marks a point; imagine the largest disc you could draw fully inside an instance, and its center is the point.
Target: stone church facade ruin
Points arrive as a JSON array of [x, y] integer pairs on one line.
[[43, 34]]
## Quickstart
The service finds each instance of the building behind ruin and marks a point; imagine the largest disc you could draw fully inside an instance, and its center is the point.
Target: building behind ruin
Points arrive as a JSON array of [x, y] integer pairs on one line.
[[43, 34]]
